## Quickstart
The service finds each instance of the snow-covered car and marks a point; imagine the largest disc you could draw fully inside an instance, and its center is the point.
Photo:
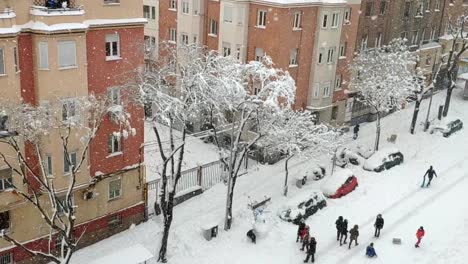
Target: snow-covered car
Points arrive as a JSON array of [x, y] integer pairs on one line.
[[345, 156], [384, 159], [365, 152], [315, 172], [302, 206], [340, 184], [448, 129]]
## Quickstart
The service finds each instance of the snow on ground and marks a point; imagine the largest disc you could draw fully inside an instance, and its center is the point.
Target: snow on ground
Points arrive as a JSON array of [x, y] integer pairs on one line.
[[396, 194], [196, 151]]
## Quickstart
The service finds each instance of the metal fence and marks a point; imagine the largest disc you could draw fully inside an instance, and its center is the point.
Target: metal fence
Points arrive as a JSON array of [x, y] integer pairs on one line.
[[57, 4]]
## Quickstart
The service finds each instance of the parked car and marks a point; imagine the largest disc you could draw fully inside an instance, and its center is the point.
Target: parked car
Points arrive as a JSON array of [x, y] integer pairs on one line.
[[384, 159], [426, 94], [345, 156], [302, 206], [340, 184], [315, 172], [448, 129]]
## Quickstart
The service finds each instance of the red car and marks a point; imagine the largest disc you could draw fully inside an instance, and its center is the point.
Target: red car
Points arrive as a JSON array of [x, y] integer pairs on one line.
[[340, 184]]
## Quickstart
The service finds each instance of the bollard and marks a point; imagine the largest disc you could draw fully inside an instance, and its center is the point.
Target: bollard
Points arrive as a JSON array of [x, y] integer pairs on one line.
[[441, 109]]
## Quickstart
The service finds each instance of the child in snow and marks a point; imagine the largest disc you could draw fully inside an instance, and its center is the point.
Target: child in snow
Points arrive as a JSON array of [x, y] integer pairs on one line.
[[299, 230], [344, 232], [353, 235], [419, 235], [370, 251], [311, 250], [338, 224], [305, 237], [252, 236], [379, 223], [430, 174]]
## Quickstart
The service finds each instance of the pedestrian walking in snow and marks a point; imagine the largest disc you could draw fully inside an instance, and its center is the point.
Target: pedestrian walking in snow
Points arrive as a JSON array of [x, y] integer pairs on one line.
[[344, 232], [370, 251], [338, 224], [311, 247], [353, 236], [252, 236], [379, 223], [305, 237], [430, 174], [356, 131], [299, 230], [419, 235]]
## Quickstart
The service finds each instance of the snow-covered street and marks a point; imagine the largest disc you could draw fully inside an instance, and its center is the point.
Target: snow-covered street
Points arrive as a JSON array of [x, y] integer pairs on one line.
[[395, 193]]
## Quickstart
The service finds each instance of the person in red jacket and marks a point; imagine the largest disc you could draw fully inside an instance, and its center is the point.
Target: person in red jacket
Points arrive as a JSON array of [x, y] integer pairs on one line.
[[419, 235], [304, 233]]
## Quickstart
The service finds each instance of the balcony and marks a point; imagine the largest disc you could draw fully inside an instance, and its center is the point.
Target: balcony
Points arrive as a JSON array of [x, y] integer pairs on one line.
[[57, 11], [56, 5]]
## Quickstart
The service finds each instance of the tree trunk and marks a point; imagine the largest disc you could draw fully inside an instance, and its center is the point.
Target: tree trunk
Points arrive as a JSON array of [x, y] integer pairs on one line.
[[286, 175], [447, 99], [377, 133], [415, 115], [229, 202], [167, 227]]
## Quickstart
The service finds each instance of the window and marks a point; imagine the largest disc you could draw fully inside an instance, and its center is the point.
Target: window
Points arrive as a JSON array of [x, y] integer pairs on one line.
[[114, 221], [347, 16], [48, 165], [173, 35], [226, 49], [69, 164], [335, 20], [240, 15], [437, 5], [261, 18], [258, 54], [420, 10], [238, 51], [62, 206], [6, 258], [423, 35], [68, 109], [6, 179], [112, 46], [433, 33], [111, 1], [115, 189], [320, 56], [343, 49], [407, 9], [331, 54], [338, 82], [369, 6], [114, 144], [293, 57], [15, 60], [184, 38], [4, 221], [334, 113], [404, 35], [150, 43], [383, 8], [428, 61], [172, 4], [364, 42], [2, 62], [195, 38], [427, 4], [326, 89], [146, 12], [227, 14], [297, 20], [153, 13], [195, 7], [324, 20], [113, 95], [213, 27], [316, 90], [43, 56], [414, 37], [67, 54], [378, 40], [185, 7]]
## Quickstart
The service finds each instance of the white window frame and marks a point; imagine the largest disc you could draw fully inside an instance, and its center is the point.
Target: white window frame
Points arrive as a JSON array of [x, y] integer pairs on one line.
[[240, 15], [320, 56], [184, 38], [6, 230], [228, 13], [146, 15], [378, 40], [297, 20], [335, 20], [261, 18], [153, 13], [185, 7], [43, 62], [347, 16], [117, 193], [385, 8], [433, 33], [414, 37], [326, 89], [61, 63], [16, 61], [259, 53], [437, 5], [331, 55], [2, 62], [173, 35], [114, 51], [173, 5], [338, 82], [213, 28], [293, 57], [343, 48], [6, 182], [48, 165], [364, 42], [114, 144], [196, 7], [195, 38], [70, 106], [6, 258], [65, 163], [113, 96], [226, 49], [316, 93], [324, 22], [238, 51]]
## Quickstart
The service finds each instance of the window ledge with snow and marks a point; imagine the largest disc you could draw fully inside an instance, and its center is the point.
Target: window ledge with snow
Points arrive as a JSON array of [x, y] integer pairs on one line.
[[293, 66], [342, 57], [68, 68], [172, 9], [115, 154], [213, 35], [113, 58], [260, 27], [111, 4], [172, 41], [3, 75], [115, 198], [297, 29]]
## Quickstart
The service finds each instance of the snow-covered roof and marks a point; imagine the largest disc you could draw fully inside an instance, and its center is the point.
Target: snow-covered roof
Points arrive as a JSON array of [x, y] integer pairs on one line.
[[302, 2], [132, 255], [335, 181]]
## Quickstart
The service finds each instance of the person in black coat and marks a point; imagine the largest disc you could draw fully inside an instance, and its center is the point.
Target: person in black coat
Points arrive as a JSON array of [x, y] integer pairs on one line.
[[356, 131], [344, 232], [430, 174], [311, 247], [379, 223], [299, 230], [252, 236], [338, 224], [353, 236]]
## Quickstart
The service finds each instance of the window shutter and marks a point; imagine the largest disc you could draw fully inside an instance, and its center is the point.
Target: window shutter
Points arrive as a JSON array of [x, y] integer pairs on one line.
[[67, 53]]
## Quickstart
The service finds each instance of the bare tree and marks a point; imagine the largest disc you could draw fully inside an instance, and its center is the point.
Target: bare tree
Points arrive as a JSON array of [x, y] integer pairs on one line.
[[383, 78], [78, 121]]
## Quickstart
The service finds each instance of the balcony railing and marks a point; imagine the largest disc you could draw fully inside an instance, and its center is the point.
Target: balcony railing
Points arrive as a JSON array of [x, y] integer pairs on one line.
[[56, 5]]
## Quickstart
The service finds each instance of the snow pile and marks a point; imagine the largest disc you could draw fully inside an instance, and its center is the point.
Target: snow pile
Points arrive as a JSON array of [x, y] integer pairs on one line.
[[135, 254], [379, 158], [335, 181]]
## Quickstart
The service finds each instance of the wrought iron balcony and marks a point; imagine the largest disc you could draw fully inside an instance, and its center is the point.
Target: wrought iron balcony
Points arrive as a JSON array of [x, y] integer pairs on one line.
[[56, 5]]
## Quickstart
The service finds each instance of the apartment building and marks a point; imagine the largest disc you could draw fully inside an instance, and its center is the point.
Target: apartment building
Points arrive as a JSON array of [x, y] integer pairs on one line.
[[57, 53], [302, 37], [151, 13]]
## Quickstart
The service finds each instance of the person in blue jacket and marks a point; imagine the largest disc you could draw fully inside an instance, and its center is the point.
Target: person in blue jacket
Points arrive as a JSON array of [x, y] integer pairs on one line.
[[370, 251]]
